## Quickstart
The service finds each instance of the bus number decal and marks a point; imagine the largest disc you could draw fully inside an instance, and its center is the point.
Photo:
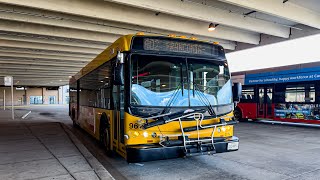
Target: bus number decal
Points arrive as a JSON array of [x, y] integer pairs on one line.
[[133, 125]]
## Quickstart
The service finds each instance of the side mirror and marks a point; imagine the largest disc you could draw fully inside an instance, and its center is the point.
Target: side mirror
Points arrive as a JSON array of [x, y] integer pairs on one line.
[[236, 90], [118, 74]]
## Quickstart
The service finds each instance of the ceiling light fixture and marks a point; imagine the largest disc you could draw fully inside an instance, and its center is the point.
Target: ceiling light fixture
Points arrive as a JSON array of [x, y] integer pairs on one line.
[[212, 27]]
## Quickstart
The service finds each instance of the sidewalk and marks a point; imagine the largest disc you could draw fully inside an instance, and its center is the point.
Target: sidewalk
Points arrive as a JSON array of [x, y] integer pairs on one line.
[[43, 149]]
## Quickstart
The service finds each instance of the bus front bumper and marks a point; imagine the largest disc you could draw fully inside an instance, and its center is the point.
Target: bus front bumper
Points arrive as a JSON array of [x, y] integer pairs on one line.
[[151, 153]]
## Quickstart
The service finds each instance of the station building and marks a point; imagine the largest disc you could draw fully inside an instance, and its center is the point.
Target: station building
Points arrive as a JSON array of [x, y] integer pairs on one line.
[[34, 95]]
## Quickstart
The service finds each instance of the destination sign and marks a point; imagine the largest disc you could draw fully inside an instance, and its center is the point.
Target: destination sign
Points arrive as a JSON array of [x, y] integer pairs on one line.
[[177, 46], [166, 45]]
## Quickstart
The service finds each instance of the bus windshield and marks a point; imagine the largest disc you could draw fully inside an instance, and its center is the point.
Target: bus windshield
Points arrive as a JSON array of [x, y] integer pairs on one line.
[[179, 82]]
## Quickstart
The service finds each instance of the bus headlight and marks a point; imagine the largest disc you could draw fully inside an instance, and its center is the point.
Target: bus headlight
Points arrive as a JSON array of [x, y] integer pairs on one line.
[[145, 134], [154, 135]]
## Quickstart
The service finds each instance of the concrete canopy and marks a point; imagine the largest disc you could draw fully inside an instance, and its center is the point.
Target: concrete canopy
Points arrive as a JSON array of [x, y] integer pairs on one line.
[[45, 42]]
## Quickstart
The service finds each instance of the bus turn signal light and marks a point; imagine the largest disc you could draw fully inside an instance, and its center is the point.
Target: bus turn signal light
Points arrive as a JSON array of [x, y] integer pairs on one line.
[[183, 37]]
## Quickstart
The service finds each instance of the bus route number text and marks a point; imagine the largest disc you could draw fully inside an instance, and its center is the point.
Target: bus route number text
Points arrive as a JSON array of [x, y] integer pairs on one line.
[[133, 126]]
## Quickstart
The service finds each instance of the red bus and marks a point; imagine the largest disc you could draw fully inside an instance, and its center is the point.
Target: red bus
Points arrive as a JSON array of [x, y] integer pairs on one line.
[[287, 94]]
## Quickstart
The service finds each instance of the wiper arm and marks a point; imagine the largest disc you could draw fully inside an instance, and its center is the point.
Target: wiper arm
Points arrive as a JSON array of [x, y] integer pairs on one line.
[[172, 99], [203, 98], [174, 96]]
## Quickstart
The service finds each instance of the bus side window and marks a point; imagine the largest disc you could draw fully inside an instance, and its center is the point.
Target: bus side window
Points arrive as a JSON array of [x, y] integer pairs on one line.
[[104, 77], [300, 93], [248, 94], [279, 93]]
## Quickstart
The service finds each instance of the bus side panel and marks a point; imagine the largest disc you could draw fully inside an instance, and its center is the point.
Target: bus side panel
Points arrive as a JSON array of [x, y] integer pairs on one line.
[[86, 119], [249, 110]]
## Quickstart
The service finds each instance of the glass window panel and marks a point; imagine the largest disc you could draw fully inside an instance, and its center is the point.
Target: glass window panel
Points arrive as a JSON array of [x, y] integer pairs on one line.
[[247, 94]]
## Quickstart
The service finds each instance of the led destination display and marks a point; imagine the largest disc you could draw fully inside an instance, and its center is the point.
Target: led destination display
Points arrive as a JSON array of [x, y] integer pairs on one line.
[[168, 45]]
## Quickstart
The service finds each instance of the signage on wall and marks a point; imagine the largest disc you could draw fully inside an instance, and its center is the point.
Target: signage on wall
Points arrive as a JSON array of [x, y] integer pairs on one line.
[[8, 80], [307, 74]]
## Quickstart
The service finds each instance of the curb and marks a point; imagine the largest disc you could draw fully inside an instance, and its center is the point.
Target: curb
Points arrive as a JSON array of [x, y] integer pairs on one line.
[[101, 171]]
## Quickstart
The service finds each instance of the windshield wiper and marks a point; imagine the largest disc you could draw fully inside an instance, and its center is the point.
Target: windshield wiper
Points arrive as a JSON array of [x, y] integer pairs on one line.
[[172, 99], [203, 98], [174, 96]]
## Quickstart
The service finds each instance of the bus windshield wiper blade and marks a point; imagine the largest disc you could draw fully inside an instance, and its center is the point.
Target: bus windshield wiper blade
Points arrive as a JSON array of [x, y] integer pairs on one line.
[[172, 99], [203, 98]]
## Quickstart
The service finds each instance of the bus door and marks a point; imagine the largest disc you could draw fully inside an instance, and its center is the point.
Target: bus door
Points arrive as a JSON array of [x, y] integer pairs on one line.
[[118, 118], [265, 102]]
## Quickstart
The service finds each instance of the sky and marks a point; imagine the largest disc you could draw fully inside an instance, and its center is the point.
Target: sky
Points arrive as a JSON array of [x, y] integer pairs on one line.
[[297, 51]]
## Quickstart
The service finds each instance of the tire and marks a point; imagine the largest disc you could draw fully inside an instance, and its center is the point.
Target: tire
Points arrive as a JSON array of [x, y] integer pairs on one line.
[[238, 115], [74, 124], [73, 114], [105, 137], [73, 117]]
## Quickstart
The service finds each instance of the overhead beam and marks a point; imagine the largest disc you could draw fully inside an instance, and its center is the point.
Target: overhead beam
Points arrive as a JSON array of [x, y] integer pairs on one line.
[[45, 30], [40, 67], [41, 53], [60, 76], [103, 28], [33, 74], [27, 56], [295, 33], [35, 39], [288, 10], [43, 46], [18, 71], [202, 12], [40, 71], [37, 83], [39, 78], [44, 63], [124, 14]]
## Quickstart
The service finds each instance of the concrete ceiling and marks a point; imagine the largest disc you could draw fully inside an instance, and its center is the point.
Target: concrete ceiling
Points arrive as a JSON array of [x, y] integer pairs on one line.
[[42, 43]]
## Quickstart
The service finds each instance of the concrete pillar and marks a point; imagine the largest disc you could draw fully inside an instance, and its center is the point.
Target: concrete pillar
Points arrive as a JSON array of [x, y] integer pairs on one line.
[[25, 96], [43, 101], [59, 95]]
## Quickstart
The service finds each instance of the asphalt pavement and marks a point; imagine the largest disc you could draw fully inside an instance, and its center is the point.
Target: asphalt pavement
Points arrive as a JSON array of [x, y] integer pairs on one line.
[[267, 151], [39, 146]]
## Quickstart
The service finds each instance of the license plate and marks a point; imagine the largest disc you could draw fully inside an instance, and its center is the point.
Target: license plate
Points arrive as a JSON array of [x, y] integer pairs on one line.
[[233, 146]]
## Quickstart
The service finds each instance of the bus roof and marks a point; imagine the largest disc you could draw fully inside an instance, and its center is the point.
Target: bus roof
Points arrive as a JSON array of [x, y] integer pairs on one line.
[[121, 44]]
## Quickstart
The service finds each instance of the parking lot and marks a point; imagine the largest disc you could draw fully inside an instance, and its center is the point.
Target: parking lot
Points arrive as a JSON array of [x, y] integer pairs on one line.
[[267, 151]]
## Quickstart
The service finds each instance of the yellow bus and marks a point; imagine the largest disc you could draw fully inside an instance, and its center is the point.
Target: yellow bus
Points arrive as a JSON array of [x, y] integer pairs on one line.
[[155, 97]]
